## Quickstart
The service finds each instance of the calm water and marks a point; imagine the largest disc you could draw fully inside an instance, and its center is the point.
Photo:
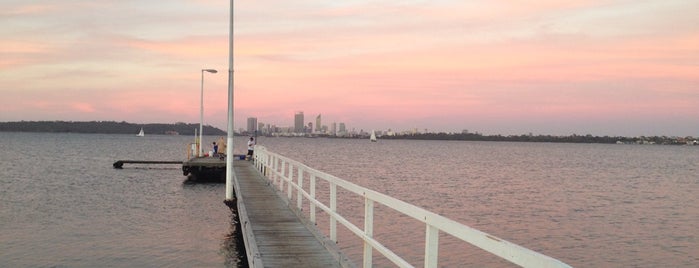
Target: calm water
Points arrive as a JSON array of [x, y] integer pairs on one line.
[[62, 203], [589, 205]]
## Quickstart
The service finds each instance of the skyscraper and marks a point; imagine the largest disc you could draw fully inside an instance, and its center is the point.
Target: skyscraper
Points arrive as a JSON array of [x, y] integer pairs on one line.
[[298, 122], [318, 125], [252, 125]]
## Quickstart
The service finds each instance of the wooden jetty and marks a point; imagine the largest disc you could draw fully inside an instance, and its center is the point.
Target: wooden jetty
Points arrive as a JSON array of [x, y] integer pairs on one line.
[[205, 169], [120, 163], [274, 235], [202, 169]]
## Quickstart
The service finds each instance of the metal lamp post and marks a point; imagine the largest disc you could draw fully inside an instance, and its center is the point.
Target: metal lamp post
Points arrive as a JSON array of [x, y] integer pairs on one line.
[[201, 115], [230, 175]]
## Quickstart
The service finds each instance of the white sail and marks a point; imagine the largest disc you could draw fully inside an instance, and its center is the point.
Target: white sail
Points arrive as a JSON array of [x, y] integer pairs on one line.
[[140, 133], [373, 136]]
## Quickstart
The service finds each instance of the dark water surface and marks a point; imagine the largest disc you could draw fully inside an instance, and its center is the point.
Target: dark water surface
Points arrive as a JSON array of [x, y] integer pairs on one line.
[[589, 205]]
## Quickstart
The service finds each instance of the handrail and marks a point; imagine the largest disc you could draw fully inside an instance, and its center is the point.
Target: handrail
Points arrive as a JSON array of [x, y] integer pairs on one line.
[[274, 167]]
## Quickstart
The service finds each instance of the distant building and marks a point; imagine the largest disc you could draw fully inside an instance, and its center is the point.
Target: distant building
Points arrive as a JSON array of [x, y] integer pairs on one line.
[[252, 125], [318, 125], [333, 129], [342, 131], [298, 123], [261, 128]]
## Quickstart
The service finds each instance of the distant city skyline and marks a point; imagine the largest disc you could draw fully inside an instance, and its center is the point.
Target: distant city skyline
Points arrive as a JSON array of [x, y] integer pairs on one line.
[[617, 68], [297, 126]]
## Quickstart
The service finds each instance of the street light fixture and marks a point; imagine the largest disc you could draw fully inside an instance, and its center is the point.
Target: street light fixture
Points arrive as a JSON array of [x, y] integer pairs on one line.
[[201, 114]]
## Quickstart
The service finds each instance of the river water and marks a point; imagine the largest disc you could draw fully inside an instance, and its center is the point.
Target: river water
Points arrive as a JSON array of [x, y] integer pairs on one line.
[[63, 205], [589, 205]]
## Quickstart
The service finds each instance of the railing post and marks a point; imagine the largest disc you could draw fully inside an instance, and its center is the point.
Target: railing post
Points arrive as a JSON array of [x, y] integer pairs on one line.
[[256, 163], [281, 179], [313, 197], [264, 164], [431, 246], [260, 161], [254, 160], [274, 169], [299, 196], [291, 181], [280, 166], [333, 211], [368, 230]]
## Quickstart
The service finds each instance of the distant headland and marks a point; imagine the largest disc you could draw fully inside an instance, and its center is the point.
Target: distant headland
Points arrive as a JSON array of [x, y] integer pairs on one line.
[[106, 127]]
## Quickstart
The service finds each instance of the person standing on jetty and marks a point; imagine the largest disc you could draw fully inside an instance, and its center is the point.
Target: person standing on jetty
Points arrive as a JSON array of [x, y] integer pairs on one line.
[[215, 149], [251, 147]]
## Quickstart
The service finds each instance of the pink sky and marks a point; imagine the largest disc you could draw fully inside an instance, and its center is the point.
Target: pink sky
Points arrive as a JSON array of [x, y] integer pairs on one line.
[[497, 67]]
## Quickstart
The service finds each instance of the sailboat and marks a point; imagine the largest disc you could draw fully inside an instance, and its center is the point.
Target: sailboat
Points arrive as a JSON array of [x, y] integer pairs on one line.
[[373, 136], [140, 133]]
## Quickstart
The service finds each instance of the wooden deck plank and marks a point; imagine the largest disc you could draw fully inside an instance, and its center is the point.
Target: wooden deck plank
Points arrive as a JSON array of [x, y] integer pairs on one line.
[[282, 239]]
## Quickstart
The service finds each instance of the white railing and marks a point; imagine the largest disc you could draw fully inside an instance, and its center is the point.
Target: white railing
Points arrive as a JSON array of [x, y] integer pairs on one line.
[[280, 170]]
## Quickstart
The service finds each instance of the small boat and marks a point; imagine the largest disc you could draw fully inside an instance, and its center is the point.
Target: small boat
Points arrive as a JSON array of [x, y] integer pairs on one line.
[[373, 136], [140, 133]]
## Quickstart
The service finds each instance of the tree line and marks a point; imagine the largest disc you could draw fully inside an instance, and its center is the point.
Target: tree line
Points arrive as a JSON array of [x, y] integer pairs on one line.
[[544, 138], [107, 127]]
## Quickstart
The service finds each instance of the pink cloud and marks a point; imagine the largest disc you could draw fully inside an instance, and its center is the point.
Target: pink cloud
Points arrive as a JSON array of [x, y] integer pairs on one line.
[[29, 9], [82, 107]]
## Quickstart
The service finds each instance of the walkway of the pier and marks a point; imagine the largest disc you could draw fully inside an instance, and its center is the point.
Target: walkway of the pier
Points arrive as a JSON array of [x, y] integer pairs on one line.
[[281, 239]]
